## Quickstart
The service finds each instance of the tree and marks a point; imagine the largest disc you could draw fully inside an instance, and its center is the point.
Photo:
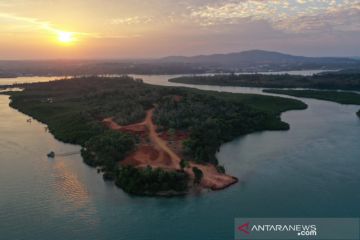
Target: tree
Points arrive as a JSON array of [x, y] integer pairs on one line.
[[220, 169], [198, 175], [107, 149], [184, 164]]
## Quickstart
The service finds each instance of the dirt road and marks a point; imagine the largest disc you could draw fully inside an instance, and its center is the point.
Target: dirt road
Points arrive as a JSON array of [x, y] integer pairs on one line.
[[157, 154], [158, 142]]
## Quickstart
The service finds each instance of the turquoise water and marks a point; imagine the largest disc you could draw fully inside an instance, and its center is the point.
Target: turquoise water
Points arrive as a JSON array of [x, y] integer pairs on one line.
[[313, 170]]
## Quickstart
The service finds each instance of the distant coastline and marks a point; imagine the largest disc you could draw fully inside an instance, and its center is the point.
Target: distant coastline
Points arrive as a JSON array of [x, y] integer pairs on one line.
[[252, 61], [344, 80], [7, 76], [350, 98]]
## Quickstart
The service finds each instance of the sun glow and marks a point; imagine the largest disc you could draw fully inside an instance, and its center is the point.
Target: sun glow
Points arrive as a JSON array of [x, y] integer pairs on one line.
[[66, 37]]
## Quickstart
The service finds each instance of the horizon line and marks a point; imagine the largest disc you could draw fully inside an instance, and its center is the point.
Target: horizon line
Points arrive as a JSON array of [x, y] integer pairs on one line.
[[166, 56]]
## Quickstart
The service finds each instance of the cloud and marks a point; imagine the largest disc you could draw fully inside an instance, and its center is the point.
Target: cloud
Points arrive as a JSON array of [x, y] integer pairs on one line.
[[18, 23], [286, 15], [25, 22], [342, 20], [132, 20]]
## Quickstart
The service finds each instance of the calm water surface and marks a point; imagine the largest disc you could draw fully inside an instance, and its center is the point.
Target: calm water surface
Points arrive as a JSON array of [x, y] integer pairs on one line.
[[313, 170], [163, 78]]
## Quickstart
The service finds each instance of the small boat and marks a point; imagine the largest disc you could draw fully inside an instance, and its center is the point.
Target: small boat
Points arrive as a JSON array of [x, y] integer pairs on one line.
[[51, 154]]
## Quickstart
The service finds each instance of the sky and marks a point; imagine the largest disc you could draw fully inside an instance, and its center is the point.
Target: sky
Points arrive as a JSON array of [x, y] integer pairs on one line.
[[83, 29]]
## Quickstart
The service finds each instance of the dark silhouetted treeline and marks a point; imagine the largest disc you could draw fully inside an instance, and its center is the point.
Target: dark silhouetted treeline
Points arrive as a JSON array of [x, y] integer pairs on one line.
[[333, 96], [335, 80]]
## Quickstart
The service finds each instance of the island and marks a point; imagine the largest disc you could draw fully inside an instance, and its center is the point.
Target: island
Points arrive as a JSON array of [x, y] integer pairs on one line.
[[344, 80], [341, 97], [150, 140]]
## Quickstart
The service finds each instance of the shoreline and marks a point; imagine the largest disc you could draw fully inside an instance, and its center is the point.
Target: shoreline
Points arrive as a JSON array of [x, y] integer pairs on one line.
[[70, 126]]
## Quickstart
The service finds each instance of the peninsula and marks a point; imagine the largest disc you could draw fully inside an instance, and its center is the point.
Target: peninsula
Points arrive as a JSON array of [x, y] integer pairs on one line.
[[341, 97], [150, 140]]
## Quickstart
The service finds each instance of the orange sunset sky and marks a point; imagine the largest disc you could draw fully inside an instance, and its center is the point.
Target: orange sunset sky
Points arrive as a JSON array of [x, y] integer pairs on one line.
[[44, 29]]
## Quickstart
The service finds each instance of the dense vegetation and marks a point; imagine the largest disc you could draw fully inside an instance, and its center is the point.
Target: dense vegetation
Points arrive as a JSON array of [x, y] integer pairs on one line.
[[198, 175], [214, 119], [73, 110], [333, 96], [150, 181], [336, 80], [107, 149]]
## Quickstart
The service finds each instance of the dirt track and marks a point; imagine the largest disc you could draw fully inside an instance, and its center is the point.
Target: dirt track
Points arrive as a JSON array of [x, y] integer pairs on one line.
[[157, 153], [160, 143]]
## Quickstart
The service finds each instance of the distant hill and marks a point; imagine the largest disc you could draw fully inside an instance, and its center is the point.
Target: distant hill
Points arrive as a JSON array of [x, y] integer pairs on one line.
[[259, 59], [248, 61]]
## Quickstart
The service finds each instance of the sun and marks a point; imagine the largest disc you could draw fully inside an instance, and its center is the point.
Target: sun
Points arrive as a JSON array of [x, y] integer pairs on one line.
[[65, 37]]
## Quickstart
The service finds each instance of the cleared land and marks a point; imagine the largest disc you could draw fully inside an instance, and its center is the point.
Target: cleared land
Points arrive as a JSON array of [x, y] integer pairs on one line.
[[155, 151]]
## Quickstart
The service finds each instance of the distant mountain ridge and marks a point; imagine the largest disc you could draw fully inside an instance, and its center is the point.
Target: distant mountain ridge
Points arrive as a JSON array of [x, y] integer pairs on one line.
[[248, 61], [270, 59]]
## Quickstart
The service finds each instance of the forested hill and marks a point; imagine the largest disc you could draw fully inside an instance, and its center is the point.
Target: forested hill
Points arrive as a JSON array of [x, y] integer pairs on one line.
[[336, 80], [266, 60]]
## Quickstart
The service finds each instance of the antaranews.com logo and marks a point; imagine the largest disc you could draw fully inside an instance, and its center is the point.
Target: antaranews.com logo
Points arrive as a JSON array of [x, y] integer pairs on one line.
[[297, 228], [300, 230]]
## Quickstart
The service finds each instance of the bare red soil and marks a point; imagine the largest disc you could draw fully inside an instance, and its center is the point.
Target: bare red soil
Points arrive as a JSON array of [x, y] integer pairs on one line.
[[154, 151], [178, 98], [178, 136], [137, 128]]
